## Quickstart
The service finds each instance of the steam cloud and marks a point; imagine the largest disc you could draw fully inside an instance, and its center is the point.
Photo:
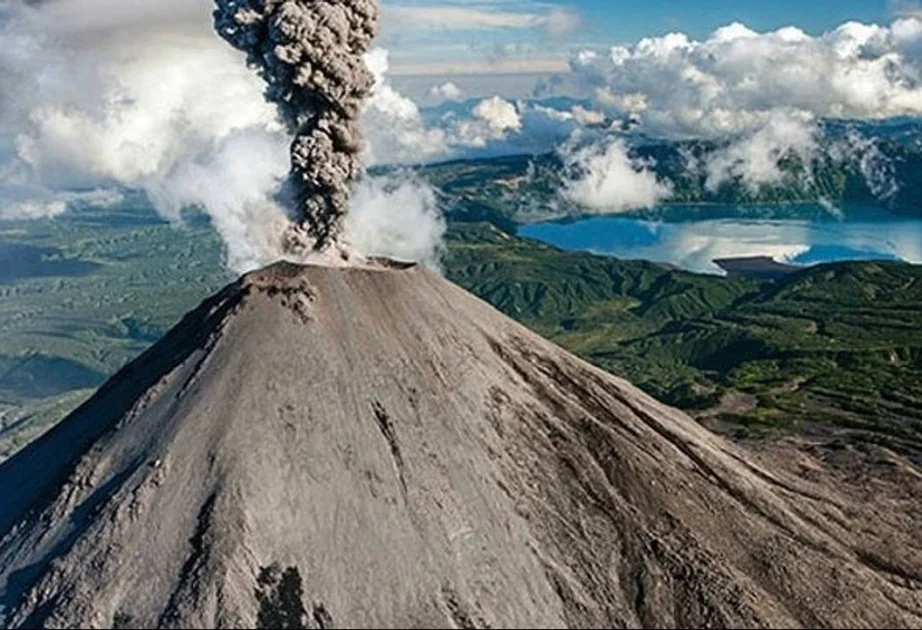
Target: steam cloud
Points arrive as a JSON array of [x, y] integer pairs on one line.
[[100, 96], [310, 53], [397, 217]]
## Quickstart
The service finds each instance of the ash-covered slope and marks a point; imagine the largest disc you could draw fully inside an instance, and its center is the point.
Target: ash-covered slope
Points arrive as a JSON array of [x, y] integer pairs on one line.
[[320, 447]]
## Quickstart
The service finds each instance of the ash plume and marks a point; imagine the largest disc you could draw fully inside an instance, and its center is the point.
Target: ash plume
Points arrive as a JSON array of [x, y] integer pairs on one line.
[[310, 53]]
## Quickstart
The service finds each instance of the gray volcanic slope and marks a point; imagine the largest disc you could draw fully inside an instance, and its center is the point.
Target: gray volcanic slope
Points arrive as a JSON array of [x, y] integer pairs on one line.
[[319, 447]]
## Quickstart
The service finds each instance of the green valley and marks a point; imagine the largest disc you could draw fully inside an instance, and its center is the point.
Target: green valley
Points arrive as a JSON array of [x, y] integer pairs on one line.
[[834, 349]]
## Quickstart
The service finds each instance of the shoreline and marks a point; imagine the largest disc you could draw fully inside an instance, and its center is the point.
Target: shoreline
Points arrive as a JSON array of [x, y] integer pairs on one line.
[[821, 214]]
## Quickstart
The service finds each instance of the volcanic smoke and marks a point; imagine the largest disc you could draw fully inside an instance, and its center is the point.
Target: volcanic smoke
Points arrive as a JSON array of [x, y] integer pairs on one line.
[[311, 55]]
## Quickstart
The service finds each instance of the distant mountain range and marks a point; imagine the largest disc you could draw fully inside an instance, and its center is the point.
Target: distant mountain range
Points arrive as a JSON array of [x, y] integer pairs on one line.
[[859, 167]]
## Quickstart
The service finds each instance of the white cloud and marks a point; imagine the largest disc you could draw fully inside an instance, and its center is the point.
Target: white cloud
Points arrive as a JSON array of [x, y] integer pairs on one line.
[[106, 93], [555, 21], [460, 18], [493, 120], [734, 80], [602, 177], [536, 64], [864, 153], [499, 114], [560, 22], [447, 91], [42, 204], [397, 217], [395, 132], [32, 209], [755, 158], [587, 116]]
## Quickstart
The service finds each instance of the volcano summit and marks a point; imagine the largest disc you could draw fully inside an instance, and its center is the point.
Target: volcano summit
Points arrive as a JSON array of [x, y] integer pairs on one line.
[[374, 447]]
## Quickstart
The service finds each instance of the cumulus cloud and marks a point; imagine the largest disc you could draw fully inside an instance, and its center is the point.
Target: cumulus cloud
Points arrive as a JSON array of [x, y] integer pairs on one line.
[[447, 91], [763, 96], [21, 199], [32, 209], [602, 177], [587, 117], [785, 151], [736, 79], [498, 113], [496, 126], [43, 204], [397, 132]]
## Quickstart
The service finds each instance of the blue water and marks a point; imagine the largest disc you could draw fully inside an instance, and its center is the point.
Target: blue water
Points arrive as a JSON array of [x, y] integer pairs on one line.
[[694, 245]]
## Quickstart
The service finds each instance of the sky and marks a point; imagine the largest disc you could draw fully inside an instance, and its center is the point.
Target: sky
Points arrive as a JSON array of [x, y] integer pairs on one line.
[[440, 37], [98, 96]]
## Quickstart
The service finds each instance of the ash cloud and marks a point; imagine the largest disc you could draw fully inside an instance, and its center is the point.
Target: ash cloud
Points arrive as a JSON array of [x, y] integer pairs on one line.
[[311, 55]]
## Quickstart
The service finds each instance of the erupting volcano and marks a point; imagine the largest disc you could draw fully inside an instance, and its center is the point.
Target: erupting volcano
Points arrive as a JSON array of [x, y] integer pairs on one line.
[[371, 446], [374, 447], [311, 55]]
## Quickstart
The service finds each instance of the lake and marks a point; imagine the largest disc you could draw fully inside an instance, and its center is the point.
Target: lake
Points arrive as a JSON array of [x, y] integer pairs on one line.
[[694, 245]]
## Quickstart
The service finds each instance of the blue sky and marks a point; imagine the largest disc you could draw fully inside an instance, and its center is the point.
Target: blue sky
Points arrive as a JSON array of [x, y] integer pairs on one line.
[[631, 19], [439, 37]]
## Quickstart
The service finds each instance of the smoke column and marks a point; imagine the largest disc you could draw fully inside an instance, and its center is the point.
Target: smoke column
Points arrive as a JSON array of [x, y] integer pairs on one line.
[[310, 53]]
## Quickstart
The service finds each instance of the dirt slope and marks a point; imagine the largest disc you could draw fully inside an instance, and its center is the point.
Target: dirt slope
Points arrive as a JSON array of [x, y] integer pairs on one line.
[[320, 447]]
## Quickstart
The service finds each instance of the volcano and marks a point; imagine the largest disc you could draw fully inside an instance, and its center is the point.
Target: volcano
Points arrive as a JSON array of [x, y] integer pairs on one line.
[[375, 447]]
